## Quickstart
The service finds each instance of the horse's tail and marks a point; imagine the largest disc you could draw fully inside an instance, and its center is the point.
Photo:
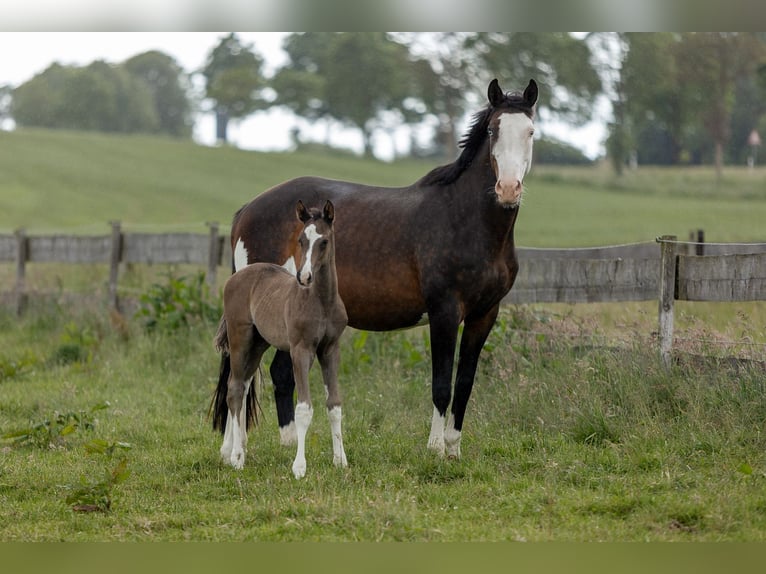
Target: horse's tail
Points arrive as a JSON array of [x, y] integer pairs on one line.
[[219, 409], [221, 339]]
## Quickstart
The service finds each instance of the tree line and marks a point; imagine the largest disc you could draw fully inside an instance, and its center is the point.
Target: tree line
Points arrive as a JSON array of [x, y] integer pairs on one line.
[[675, 98]]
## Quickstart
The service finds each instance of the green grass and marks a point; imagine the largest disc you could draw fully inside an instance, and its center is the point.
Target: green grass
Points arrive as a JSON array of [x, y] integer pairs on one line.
[[561, 442], [574, 431], [77, 182]]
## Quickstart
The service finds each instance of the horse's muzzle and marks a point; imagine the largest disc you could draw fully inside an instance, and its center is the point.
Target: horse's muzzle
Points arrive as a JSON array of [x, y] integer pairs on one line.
[[509, 192], [304, 279]]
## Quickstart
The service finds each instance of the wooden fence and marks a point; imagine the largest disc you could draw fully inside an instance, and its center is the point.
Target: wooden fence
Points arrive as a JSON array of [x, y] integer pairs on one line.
[[665, 270]]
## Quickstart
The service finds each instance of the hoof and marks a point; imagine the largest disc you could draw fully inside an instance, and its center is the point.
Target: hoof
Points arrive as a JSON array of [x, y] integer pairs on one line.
[[237, 460], [436, 444], [340, 461], [287, 435], [299, 469]]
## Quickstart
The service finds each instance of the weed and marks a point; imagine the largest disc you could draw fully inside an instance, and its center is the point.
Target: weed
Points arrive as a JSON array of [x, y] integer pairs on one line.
[[76, 345], [10, 368], [180, 302], [96, 496], [52, 431]]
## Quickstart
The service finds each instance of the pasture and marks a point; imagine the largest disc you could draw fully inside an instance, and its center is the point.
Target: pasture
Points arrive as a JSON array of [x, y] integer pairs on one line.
[[574, 430]]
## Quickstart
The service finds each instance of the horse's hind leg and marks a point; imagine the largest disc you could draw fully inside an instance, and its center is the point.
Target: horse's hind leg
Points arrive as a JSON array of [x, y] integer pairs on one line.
[[246, 349], [330, 361]]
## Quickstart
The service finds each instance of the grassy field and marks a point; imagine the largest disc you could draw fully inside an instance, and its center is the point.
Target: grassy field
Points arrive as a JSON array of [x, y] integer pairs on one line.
[[573, 432], [76, 183], [562, 442]]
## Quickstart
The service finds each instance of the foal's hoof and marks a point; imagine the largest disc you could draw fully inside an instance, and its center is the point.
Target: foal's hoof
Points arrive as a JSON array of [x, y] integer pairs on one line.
[[299, 469], [237, 460], [340, 461]]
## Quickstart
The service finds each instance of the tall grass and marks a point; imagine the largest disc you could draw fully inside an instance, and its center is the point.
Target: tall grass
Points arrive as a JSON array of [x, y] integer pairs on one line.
[[563, 441]]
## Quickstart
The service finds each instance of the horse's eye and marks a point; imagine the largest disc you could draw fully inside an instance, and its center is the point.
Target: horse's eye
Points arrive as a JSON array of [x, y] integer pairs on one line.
[[490, 132]]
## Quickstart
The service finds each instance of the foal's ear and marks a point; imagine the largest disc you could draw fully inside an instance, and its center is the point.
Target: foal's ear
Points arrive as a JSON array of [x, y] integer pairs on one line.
[[329, 211], [301, 211], [530, 93], [494, 94]]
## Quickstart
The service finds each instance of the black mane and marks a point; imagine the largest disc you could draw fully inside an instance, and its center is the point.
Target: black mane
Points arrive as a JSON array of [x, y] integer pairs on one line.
[[473, 139]]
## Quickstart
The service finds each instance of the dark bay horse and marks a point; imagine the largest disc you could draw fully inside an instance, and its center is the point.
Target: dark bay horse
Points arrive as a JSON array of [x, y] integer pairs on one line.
[[265, 306], [440, 250]]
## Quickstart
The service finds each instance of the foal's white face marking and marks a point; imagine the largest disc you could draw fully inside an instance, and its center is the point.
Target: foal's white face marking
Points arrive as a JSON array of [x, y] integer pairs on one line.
[[512, 155], [240, 255], [312, 235]]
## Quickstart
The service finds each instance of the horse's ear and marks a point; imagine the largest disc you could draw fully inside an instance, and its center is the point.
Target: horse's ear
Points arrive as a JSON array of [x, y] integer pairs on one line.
[[301, 211], [530, 93], [494, 94], [329, 211]]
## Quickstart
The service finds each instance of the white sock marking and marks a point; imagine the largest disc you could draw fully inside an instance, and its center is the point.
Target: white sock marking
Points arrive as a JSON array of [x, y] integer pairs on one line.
[[452, 438], [338, 454], [436, 438], [303, 415], [288, 435]]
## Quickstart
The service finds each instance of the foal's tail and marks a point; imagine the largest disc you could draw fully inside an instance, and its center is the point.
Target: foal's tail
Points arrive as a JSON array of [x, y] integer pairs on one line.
[[219, 409]]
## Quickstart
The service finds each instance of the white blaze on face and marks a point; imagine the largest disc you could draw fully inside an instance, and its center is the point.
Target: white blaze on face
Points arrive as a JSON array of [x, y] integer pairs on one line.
[[312, 236], [512, 153], [240, 255]]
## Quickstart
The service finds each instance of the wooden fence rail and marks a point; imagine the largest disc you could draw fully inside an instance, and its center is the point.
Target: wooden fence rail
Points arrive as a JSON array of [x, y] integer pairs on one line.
[[665, 270]]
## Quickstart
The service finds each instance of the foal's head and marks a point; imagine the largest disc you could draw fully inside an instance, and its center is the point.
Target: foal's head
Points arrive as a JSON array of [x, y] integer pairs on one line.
[[316, 240]]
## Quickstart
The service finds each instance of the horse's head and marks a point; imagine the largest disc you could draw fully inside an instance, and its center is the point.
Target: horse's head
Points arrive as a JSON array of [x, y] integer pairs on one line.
[[510, 128], [316, 240]]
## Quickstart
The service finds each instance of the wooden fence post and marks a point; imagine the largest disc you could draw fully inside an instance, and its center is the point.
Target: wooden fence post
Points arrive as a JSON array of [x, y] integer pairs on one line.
[[22, 254], [114, 263], [668, 266], [214, 255]]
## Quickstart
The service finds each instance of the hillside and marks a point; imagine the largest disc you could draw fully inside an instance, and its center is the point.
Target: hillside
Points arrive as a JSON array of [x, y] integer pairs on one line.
[[76, 182]]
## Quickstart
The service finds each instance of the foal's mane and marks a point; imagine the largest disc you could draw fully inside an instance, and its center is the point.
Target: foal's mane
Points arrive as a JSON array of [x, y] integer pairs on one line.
[[473, 139]]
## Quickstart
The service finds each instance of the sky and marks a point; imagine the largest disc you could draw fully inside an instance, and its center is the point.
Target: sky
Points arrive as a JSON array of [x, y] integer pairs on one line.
[[33, 52]]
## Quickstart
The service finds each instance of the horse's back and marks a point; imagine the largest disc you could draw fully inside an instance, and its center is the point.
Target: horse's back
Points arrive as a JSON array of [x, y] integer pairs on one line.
[[257, 295]]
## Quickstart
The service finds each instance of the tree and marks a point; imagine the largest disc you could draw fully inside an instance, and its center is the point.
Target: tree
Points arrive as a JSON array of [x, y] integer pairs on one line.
[[447, 78], [358, 79], [96, 97], [712, 63], [168, 85], [557, 60], [678, 94], [233, 81]]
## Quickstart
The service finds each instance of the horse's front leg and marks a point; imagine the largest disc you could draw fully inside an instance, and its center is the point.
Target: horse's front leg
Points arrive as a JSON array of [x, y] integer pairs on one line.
[[330, 361], [443, 329], [475, 333], [281, 371], [302, 359]]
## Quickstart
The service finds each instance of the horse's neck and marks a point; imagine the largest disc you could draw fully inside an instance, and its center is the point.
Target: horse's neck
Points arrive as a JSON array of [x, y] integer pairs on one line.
[[325, 284], [497, 220]]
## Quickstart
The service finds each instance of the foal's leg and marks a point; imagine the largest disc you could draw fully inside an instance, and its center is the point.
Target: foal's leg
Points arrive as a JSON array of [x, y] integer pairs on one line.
[[246, 349], [475, 334], [302, 359], [443, 326], [330, 361]]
